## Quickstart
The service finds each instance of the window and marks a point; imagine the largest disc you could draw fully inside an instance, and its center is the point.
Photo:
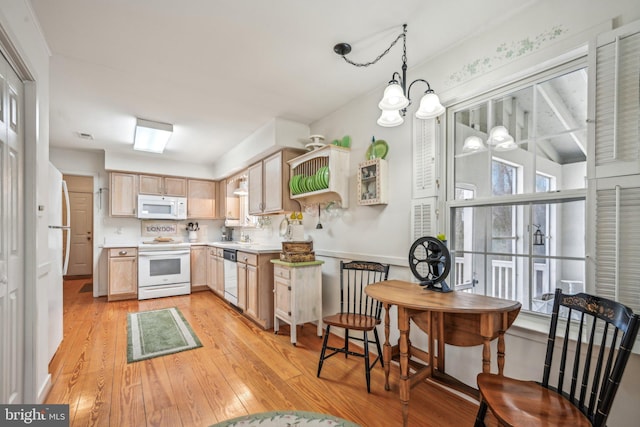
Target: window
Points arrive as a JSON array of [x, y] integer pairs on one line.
[[517, 206]]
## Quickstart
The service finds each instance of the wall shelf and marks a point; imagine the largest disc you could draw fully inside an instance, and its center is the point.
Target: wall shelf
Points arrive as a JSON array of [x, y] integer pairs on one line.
[[372, 182], [306, 184]]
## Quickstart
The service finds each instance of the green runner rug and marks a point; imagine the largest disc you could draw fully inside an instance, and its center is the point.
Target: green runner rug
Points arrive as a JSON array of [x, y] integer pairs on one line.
[[157, 333], [287, 419]]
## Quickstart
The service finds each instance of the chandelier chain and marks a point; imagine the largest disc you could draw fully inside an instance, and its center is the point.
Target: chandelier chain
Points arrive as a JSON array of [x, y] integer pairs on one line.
[[402, 36]]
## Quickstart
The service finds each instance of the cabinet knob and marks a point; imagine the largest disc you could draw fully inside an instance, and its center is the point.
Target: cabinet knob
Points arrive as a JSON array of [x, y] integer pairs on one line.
[[122, 253]]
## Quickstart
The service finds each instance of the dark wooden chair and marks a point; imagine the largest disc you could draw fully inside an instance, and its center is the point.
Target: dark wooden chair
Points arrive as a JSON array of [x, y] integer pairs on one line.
[[358, 312], [602, 335]]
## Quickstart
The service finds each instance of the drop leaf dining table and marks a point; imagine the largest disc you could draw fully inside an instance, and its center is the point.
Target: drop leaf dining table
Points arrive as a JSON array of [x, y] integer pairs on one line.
[[453, 318]]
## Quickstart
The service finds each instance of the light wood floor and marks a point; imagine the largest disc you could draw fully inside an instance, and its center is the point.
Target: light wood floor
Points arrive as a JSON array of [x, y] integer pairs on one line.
[[240, 369]]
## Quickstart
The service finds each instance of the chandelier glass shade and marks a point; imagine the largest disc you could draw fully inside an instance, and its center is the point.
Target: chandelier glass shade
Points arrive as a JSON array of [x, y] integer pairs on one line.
[[390, 118], [430, 106], [393, 97]]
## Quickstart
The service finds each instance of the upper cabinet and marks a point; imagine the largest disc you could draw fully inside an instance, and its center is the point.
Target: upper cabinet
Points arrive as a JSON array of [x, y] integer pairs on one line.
[[202, 199], [321, 176], [123, 194], [163, 185], [268, 184]]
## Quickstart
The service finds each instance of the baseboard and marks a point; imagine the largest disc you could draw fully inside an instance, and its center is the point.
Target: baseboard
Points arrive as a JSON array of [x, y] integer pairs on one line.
[[44, 389]]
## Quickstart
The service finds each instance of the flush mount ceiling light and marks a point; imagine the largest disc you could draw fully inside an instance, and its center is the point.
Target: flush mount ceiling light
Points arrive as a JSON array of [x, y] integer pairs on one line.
[[151, 136], [396, 96]]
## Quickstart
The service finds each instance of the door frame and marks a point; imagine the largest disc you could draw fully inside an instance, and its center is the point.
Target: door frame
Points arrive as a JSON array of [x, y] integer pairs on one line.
[[97, 210], [34, 268]]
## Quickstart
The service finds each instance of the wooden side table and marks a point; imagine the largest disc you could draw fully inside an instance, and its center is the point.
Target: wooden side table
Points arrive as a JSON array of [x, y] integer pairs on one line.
[[297, 289]]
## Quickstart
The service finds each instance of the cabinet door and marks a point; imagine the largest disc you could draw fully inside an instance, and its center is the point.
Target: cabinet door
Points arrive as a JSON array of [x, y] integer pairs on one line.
[[211, 269], [123, 277], [123, 194], [256, 205], [253, 297], [272, 178], [173, 186], [218, 280], [198, 266], [282, 303], [201, 202], [150, 184], [242, 285]]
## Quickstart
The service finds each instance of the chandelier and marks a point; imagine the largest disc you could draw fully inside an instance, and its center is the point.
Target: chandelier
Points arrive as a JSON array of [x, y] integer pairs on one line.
[[396, 97]]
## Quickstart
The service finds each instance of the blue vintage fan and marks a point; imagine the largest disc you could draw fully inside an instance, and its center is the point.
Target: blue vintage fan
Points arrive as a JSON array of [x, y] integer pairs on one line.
[[430, 263]]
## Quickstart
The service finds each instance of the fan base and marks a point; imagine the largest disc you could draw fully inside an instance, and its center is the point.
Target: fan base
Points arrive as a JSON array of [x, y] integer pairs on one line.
[[438, 287]]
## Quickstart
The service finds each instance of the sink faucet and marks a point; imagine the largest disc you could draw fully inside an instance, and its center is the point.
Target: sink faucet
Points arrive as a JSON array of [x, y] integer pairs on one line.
[[244, 237]]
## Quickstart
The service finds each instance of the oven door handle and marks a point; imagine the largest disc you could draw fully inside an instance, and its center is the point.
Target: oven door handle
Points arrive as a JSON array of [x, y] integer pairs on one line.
[[161, 254]]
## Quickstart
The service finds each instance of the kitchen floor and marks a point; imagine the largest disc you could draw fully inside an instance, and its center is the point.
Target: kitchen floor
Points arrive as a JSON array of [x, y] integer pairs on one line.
[[240, 369]]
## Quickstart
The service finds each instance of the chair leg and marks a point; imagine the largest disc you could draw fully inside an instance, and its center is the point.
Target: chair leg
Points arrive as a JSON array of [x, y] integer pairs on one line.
[[346, 343], [482, 411], [375, 334], [324, 349], [366, 361]]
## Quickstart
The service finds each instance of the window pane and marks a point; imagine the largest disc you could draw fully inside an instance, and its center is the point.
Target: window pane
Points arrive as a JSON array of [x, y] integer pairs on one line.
[[493, 250], [546, 125]]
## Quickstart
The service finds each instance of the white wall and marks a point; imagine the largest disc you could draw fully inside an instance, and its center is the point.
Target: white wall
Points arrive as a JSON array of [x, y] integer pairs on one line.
[[468, 69]]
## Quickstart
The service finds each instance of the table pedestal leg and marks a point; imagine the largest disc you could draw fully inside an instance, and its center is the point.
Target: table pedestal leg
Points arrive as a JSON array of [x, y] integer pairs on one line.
[[386, 350], [405, 383]]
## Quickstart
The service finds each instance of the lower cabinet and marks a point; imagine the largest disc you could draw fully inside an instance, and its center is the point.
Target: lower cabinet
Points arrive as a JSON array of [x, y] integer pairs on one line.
[[122, 274], [215, 271], [298, 295], [255, 286], [198, 268]]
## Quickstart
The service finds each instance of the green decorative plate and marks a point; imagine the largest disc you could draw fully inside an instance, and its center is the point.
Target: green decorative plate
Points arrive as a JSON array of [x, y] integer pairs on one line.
[[377, 150]]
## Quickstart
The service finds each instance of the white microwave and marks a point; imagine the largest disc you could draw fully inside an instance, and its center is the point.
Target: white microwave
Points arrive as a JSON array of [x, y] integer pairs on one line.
[[162, 207]]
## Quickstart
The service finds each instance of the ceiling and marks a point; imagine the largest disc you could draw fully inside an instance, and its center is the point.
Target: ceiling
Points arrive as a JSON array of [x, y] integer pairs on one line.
[[219, 70]]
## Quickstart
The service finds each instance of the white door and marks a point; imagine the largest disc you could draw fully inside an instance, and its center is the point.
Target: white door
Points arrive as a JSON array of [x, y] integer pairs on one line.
[[81, 248], [11, 235]]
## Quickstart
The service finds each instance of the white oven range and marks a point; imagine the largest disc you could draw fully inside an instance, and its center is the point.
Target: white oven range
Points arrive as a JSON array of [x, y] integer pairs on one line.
[[164, 269]]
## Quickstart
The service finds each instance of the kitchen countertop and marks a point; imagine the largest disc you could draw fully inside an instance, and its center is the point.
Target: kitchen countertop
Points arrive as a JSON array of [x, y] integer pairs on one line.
[[241, 246], [249, 247]]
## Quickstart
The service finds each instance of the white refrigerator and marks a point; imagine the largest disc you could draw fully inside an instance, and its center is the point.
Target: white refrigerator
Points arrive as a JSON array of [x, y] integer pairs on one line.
[[58, 259]]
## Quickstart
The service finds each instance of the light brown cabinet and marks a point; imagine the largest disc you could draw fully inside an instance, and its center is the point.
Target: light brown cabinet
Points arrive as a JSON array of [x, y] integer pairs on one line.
[[162, 185], [255, 286], [215, 270], [269, 184], [201, 199], [122, 274], [123, 194], [198, 268]]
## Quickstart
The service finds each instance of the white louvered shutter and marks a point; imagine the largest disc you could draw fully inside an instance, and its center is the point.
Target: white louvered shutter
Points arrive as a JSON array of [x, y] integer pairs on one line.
[[617, 240], [425, 135], [613, 232], [423, 218], [615, 89]]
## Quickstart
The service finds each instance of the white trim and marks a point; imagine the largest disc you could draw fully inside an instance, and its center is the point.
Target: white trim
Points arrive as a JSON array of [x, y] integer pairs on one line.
[[393, 260]]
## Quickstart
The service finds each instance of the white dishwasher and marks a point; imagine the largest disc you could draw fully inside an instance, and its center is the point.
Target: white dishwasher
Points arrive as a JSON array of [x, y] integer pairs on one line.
[[230, 276]]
